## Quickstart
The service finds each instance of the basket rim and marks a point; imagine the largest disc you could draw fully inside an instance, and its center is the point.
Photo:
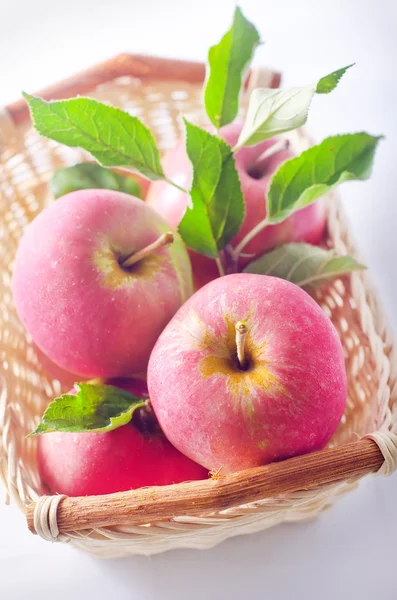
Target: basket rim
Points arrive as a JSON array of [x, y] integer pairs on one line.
[[216, 494], [141, 66]]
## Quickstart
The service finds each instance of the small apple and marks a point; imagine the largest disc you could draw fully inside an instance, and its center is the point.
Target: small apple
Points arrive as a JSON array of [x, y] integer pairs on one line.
[[306, 225], [95, 282], [129, 457], [250, 370]]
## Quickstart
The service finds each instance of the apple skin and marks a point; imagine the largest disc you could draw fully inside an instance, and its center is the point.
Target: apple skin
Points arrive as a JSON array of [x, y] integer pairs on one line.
[[306, 225], [288, 402], [88, 464], [65, 378], [84, 311]]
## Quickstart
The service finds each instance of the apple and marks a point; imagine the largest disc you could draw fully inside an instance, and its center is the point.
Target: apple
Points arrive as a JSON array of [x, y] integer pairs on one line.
[[95, 281], [306, 225], [250, 370], [129, 457], [65, 378]]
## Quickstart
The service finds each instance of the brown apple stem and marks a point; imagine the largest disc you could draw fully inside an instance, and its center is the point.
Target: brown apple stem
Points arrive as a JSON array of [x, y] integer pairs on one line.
[[259, 167], [134, 257], [241, 334]]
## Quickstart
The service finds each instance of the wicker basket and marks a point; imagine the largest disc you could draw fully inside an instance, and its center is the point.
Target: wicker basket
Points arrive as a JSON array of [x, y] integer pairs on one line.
[[198, 514]]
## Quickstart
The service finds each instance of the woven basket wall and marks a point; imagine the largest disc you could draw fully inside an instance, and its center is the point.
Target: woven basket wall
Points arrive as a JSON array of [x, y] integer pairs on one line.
[[26, 164]]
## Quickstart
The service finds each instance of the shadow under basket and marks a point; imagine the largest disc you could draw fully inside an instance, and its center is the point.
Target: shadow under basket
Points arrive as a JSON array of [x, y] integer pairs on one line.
[[202, 513]]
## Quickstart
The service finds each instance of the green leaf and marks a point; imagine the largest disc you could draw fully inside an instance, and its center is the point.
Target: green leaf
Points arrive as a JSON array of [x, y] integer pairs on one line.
[[301, 180], [95, 408], [88, 176], [329, 82], [303, 264], [271, 112], [217, 204], [227, 62], [112, 136]]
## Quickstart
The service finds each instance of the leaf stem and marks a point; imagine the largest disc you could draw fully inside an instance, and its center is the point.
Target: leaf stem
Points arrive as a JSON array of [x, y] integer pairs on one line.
[[134, 257], [178, 187], [220, 266], [250, 236]]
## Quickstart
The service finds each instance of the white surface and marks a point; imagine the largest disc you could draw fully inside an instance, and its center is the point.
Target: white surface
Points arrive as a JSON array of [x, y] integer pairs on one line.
[[350, 551]]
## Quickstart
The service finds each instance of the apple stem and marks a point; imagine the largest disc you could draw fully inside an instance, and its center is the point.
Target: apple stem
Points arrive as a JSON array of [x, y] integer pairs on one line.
[[241, 334], [258, 168], [134, 257]]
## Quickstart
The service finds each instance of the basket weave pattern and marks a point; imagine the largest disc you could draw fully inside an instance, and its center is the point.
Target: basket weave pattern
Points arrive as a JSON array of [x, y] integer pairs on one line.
[[26, 164]]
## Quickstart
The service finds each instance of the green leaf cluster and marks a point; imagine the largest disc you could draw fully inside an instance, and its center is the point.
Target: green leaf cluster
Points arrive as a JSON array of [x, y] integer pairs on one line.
[[216, 209]]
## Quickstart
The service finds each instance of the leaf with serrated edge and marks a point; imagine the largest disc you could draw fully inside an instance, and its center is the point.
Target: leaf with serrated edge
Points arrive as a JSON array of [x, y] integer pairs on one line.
[[301, 180], [217, 206], [303, 264], [328, 83], [112, 136], [272, 112], [88, 176], [227, 62], [95, 408]]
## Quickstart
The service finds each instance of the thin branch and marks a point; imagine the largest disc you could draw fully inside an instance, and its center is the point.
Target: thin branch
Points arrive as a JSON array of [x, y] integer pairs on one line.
[[178, 187], [250, 236], [220, 266]]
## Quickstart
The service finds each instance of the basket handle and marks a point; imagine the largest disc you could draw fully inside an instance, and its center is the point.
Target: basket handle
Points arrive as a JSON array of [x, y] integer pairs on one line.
[[198, 498], [125, 65]]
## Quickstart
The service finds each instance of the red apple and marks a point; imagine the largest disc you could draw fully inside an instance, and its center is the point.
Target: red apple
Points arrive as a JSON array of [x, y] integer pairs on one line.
[[85, 305], [129, 457], [250, 370], [306, 225]]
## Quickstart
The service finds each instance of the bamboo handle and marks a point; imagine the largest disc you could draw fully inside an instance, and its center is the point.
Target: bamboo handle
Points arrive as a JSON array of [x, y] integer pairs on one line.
[[131, 65], [198, 498]]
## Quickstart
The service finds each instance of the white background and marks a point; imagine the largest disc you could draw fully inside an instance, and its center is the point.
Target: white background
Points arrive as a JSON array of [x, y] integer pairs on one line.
[[349, 552]]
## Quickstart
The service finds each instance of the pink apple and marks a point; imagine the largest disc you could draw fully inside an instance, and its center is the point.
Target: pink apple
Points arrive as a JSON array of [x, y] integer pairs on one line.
[[285, 398], [132, 456], [306, 225], [87, 312], [65, 378]]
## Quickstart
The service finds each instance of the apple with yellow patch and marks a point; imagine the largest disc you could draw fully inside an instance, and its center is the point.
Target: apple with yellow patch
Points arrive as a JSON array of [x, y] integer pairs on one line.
[[97, 277], [250, 370]]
